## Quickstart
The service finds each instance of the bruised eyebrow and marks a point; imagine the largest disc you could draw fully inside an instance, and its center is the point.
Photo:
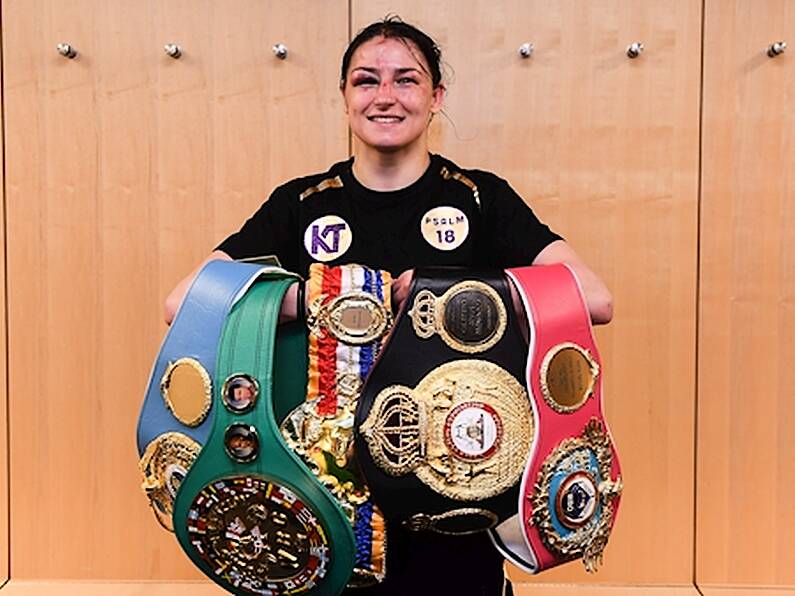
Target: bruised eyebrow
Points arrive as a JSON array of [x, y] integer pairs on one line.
[[399, 71]]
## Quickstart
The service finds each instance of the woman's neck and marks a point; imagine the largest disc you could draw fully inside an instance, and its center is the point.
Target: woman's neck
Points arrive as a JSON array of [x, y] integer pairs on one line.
[[389, 171]]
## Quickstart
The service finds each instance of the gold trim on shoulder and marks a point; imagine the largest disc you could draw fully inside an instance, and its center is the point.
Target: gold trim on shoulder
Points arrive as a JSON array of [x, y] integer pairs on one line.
[[573, 455], [335, 182], [568, 376], [469, 317], [465, 430], [187, 390], [447, 175], [435, 522], [164, 465], [354, 318]]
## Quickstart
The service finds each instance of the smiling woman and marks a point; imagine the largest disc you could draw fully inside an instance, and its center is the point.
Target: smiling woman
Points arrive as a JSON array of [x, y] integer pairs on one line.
[[394, 206]]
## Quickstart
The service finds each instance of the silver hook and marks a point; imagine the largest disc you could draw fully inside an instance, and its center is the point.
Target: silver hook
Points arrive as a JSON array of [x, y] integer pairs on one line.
[[526, 50], [280, 51], [173, 50], [67, 51], [776, 49], [635, 49]]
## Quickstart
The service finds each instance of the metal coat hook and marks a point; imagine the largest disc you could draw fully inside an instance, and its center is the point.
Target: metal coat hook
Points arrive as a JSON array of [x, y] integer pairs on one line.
[[280, 51], [66, 50], [634, 49], [526, 50], [776, 49], [173, 50]]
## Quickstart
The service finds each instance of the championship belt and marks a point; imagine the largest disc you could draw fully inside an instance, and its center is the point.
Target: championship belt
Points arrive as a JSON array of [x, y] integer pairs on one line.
[[249, 513], [349, 316], [443, 424], [176, 415], [572, 483]]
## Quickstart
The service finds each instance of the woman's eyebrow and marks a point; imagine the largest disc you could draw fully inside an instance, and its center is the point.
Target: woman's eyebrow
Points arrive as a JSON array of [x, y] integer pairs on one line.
[[373, 70]]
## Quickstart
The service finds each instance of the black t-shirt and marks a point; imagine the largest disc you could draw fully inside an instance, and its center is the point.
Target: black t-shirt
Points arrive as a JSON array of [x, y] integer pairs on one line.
[[450, 216]]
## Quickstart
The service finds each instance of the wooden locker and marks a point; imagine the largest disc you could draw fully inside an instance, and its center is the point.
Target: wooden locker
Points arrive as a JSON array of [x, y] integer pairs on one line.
[[124, 168], [605, 149], [4, 544], [746, 406]]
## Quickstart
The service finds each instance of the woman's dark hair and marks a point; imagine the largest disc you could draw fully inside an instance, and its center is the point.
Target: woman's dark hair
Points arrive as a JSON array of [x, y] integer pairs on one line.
[[393, 27]]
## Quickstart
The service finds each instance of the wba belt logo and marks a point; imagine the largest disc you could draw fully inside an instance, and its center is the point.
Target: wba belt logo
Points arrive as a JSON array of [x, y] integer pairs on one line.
[[327, 238]]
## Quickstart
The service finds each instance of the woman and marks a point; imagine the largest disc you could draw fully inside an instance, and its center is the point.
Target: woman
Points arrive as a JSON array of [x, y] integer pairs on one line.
[[394, 206]]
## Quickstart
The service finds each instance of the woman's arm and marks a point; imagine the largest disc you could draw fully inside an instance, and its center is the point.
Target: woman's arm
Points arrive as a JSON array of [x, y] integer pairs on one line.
[[289, 310], [597, 296]]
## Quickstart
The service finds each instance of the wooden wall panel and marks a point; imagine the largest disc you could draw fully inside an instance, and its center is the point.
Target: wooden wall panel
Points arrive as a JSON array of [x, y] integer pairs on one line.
[[746, 475], [4, 540], [606, 150], [124, 168]]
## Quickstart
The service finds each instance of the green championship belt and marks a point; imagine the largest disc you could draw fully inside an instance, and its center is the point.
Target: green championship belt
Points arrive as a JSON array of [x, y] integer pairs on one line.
[[249, 513]]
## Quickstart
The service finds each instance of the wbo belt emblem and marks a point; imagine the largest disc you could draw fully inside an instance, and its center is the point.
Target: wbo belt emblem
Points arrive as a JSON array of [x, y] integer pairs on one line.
[[470, 317], [573, 496], [327, 238], [464, 431]]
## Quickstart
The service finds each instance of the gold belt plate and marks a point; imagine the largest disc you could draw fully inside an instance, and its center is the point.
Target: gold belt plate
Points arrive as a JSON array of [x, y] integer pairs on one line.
[[465, 430], [354, 318], [164, 465], [469, 317]]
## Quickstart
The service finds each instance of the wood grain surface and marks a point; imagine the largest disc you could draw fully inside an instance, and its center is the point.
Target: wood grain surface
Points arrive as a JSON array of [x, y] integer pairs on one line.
[[4, 512], [746, 475], [605, 149], [125, 167]]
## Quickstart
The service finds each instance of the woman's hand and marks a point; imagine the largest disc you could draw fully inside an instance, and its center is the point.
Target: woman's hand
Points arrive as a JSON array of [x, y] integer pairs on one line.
[[400, 289]]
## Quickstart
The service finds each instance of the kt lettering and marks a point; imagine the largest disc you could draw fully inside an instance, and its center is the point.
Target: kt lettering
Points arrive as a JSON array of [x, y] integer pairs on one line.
[[319, 238]]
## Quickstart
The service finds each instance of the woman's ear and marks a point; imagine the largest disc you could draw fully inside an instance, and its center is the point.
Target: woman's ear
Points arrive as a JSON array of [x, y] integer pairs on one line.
[[438, 98]]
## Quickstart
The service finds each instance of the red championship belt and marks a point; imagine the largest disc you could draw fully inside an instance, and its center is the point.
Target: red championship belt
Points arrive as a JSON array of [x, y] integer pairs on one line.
[[572, 482]]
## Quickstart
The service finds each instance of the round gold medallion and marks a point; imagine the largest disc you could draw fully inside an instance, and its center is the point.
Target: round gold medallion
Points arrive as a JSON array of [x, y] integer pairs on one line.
[[470, 317], [164, 465], [258, 536], [354, 318], [465, 430], [187, 391], [568, 376]]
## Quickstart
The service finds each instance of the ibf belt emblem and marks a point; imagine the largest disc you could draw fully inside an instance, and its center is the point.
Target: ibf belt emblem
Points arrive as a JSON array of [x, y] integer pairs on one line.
[[327, 238], [464, 431]]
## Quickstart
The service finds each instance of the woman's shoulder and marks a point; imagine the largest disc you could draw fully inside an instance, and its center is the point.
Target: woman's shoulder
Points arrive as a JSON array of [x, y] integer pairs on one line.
[[304, 185], [484, 179]]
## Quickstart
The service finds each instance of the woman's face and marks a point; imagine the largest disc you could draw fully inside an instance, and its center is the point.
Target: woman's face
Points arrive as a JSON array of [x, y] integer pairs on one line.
[[389, 95]]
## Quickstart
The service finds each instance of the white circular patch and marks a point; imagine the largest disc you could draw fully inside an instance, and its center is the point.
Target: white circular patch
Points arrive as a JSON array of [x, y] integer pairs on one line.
[[445, 228], [327, 238], [473, 430]]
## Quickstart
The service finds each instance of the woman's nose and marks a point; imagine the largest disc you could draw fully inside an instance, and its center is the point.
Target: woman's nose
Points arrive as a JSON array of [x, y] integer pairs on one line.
[[385, 93]]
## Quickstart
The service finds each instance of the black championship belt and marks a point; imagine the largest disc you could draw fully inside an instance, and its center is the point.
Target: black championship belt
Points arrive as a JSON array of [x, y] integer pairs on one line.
[[443, 424]]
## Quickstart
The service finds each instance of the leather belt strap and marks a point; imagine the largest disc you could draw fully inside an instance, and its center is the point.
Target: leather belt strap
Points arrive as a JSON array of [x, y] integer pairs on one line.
[[249, 513], [193, 335], [443, 424], [571, 485]]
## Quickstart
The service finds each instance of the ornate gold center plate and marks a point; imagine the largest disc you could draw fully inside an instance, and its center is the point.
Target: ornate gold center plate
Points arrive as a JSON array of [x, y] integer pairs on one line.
[[573, 497], [465, 430], [353, 318], [469, 317], [568, 375], [258, 536], [164, 465], [187, 391]]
